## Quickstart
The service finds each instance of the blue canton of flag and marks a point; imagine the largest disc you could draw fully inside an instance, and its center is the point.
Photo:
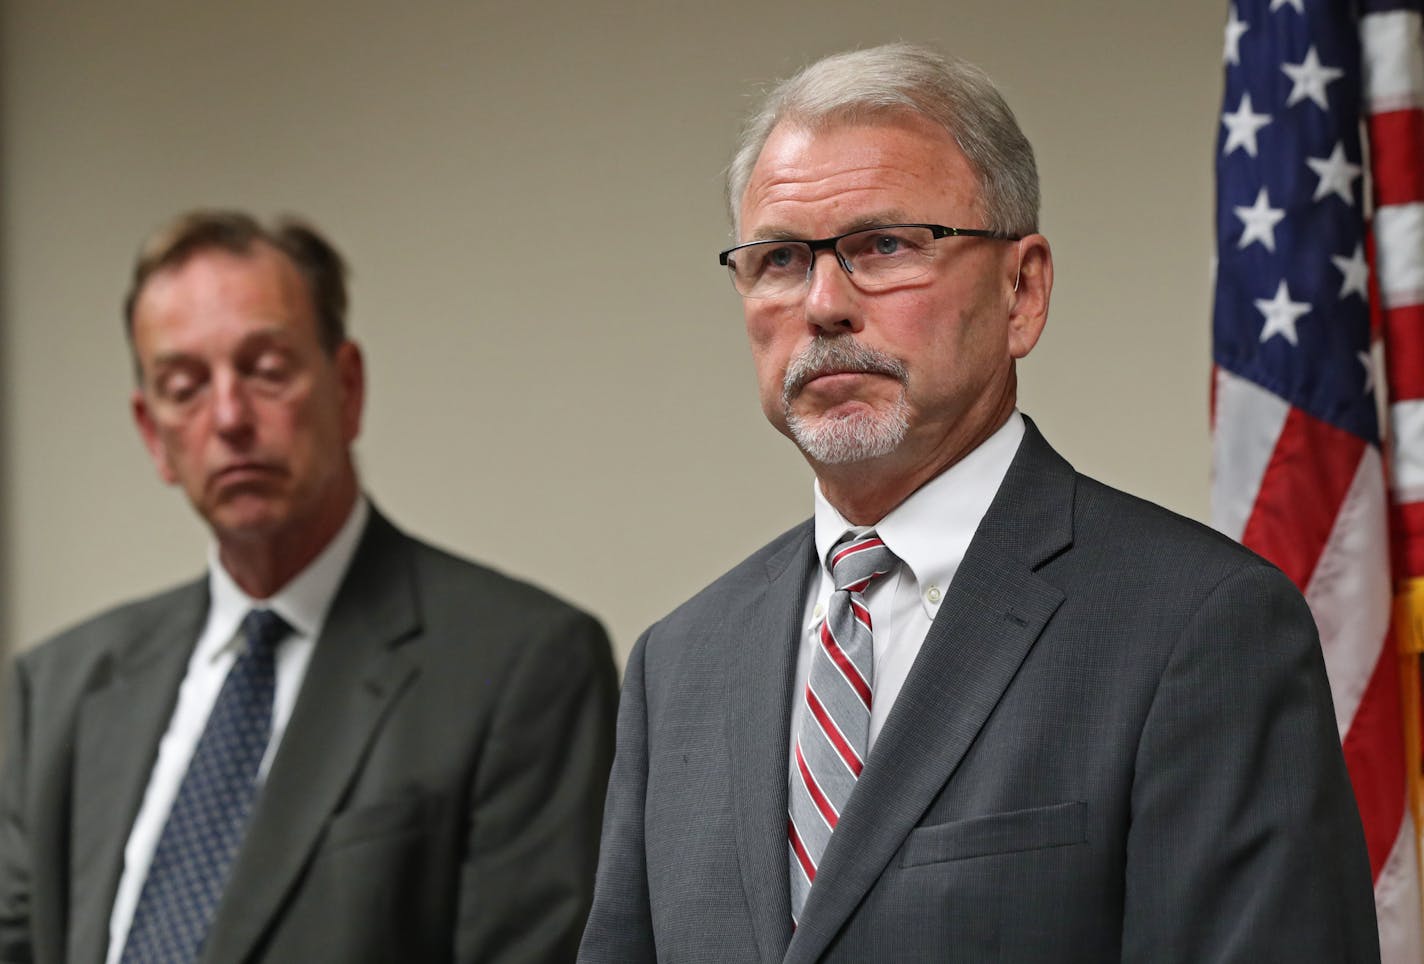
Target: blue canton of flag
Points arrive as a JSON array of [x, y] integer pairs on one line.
[[1291, 311]]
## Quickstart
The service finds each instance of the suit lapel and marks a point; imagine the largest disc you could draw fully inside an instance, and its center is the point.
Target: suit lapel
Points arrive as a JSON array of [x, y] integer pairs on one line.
[[993, 613], [116, 743], [356, 671], [762, 633]]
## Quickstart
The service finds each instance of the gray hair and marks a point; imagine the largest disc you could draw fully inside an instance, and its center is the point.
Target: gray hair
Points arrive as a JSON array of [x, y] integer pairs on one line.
[[860, 86]]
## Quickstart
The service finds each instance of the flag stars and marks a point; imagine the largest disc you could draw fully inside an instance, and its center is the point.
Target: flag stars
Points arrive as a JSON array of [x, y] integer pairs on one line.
[[1260, 220], [1241, 127], [1356, 272], [1368, 361], [1298, 5], [1235, 27], [1281, 314], [1308, 79], [1337, 175]]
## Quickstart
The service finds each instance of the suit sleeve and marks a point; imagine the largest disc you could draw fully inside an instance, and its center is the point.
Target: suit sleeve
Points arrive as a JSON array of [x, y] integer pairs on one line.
[[527, 882], [1245, 843], [15, 861], [620, 927]]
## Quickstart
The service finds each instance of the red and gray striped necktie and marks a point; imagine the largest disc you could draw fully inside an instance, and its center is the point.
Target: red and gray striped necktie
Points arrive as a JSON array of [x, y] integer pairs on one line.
[[834, 733]]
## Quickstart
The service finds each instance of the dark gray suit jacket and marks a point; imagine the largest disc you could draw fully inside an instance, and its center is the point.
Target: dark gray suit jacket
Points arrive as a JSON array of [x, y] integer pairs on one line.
[[1116, 743], [436, 796]]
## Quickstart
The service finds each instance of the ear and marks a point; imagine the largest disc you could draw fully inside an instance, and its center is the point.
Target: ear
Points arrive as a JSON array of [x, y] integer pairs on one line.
[[1028, 301], [351, 380], [148, 431]]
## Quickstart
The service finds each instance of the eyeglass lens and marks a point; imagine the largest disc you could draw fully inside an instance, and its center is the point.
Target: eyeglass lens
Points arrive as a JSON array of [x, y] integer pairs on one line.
[[875, 258]]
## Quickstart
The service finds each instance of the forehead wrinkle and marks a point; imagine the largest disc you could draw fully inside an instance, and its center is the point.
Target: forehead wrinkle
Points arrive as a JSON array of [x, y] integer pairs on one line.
[[273, 331], [875, 219], [868, 203], [831, 187]]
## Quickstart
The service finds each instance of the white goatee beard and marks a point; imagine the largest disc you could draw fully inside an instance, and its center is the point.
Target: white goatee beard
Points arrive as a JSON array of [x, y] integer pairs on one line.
[[838, 440]]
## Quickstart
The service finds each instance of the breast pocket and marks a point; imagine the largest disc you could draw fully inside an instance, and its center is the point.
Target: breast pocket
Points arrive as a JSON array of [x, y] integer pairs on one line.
[[385, 818], [1059, 825]]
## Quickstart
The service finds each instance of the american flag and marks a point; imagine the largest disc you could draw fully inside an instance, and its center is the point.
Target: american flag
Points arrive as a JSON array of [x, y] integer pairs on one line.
[[1298, 471]]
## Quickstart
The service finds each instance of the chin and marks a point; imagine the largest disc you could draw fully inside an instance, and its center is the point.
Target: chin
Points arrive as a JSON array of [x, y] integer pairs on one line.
[[842, 440], [247, 518]]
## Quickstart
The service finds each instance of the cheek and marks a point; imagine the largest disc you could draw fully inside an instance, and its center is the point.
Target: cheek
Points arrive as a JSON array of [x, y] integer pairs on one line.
[[770, 348], [182, 451], [183, 441]]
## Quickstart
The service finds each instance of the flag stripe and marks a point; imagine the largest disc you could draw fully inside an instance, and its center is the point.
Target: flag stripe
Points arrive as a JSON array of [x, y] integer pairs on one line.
[[1241, 448], [1404, 362], [1399, 173], [1349, 591], [1373, 749], [1406, 422], [1393, 73], [1311, 468], [1399, 237], [1397, 901], [1407, 522]]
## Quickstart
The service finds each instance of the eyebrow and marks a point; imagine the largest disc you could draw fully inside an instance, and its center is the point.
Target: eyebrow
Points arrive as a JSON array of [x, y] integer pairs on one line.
[[774, 232], [270, 334], [167, 358]]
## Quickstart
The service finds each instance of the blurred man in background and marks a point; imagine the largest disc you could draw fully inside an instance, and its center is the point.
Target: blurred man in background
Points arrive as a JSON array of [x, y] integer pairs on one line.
[[340, 744]]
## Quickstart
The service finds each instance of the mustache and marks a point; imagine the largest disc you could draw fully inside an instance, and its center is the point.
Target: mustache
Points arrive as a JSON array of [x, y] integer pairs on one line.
[[834, 356]]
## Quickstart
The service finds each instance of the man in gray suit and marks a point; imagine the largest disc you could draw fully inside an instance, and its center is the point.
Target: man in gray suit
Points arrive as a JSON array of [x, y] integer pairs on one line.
[[980, 707], [342, 744]]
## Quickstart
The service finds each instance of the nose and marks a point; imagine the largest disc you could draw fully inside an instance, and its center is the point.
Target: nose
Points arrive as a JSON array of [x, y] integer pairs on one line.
[[832, 303], [232, 408]]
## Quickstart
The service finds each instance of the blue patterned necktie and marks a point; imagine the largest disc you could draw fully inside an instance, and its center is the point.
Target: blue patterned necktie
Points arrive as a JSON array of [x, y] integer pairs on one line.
[[205, 826]]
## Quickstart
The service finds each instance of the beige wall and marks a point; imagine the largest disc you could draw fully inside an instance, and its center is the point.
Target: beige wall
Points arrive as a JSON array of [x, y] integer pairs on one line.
[[540, 398]]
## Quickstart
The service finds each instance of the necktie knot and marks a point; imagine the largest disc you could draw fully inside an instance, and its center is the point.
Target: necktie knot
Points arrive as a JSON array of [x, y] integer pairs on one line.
[[857, 561], [264, 629]]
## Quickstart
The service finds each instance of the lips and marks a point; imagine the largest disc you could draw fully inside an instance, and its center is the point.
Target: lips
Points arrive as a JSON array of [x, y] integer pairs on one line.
[[834, 373], [241, 473]]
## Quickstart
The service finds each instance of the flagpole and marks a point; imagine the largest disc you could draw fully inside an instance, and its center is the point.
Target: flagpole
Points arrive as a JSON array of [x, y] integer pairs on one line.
[[1409, 637]]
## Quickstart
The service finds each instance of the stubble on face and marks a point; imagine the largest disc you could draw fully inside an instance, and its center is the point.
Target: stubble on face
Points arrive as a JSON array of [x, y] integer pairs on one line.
[[855, 436]]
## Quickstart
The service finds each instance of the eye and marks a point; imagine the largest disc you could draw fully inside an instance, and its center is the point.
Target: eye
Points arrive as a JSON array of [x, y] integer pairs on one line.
[[177, 385], [272, 367], [878, 249], [886, 244], [891, 242], [781, 257]]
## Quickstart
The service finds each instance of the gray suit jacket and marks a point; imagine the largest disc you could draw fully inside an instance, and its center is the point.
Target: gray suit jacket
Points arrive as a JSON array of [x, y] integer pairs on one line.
[[436, 796], [1116, 743]]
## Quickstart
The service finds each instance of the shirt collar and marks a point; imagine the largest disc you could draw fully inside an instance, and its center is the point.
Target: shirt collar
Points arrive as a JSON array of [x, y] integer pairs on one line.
[[930, 531], [303, 602]]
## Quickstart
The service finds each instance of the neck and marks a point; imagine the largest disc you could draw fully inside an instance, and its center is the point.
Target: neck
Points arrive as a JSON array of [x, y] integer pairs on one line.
[[866, 492], [262, 564]]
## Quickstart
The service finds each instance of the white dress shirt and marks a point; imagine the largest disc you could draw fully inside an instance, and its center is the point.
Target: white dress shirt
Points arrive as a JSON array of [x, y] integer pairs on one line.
[[303, 603], [929, 533]]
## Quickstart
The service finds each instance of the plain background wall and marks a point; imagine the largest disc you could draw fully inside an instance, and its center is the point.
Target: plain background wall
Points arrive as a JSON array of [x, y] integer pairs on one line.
[[530, 197]]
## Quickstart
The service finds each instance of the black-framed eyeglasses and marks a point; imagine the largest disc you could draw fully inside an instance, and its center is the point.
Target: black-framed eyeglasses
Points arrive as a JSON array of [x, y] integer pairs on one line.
[[877, 257]]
